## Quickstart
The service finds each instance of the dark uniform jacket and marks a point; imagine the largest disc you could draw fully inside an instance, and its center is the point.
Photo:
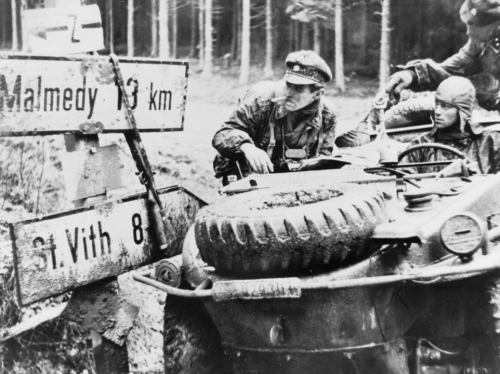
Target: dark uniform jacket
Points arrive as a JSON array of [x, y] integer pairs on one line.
[[483, 148], [478, 61], [311, 128]]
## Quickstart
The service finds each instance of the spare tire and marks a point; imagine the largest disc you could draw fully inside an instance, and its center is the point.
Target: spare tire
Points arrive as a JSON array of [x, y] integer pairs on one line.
[[414, 111], [283, 230]]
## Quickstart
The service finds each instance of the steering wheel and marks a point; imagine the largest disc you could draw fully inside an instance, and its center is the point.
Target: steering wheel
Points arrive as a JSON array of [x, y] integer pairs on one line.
[[415, 148], [434, 146]]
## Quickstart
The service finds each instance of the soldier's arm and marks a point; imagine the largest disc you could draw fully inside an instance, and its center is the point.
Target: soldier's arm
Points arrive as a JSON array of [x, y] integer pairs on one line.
[[430, 74], [464, 61], [356, 137], [236, 136], [241, 128], [426, 75]]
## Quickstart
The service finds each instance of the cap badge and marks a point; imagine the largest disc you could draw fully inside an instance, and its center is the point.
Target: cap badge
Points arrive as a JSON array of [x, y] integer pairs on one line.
[[296, 68]]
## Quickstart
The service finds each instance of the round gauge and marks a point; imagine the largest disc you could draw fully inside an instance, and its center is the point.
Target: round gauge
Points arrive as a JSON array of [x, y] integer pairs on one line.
[[462, 235]]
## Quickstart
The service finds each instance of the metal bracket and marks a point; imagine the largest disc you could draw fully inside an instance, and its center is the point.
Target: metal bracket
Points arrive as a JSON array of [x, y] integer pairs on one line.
[[88, 128]]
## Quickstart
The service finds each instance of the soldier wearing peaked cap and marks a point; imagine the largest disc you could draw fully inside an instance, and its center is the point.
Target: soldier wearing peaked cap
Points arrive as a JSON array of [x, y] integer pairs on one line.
[[276, 122], [478, 60]]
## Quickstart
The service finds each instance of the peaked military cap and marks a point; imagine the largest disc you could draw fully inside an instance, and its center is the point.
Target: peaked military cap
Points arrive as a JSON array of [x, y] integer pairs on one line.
[[306, 67], [480, 12]]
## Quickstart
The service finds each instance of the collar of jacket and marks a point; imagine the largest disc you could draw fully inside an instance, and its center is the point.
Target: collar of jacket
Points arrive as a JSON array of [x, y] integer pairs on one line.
[[314, 121], [491, 40], [463, 137]]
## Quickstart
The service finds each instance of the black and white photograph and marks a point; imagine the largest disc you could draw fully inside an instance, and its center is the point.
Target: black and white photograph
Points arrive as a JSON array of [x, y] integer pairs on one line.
[[249, 186]]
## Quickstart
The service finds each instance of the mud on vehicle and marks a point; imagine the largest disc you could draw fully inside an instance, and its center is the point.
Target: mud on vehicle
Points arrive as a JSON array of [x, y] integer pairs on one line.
[[340, 271]]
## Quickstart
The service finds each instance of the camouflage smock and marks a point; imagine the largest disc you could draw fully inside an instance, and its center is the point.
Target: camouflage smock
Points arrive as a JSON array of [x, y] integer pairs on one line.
[[249, 123]]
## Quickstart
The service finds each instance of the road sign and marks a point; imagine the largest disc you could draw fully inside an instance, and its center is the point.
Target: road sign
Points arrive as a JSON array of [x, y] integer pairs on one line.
[[63, 30], [64, 251], [51, 95]]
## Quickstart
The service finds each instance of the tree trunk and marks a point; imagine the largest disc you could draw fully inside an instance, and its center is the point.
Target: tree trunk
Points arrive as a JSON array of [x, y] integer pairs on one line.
[[234, 29], [201, 24], [339, 50], [317, 37], [111, 35], [154, 30], [296, 37], [130, 28], [291, 35], [268, 68], [327, 36], [363, 30], [385, 47], [3, 24], [174, 28], [245, 44], [304, 37], [208, 65], [164, 42], [15, 39], [192, 49], [240, 27]]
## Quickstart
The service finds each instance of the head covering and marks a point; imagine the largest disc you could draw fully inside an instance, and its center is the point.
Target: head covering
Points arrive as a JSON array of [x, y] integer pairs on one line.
[[480, 12], [306, 67], [460, 93]]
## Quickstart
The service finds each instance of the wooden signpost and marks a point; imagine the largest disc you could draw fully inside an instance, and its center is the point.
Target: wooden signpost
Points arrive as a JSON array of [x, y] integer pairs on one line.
[[82, 96], [79, 94], [64, 251]]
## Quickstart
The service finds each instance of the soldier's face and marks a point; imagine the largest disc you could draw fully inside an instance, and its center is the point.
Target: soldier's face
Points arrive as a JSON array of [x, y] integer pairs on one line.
[[446, 115], [299, 96]]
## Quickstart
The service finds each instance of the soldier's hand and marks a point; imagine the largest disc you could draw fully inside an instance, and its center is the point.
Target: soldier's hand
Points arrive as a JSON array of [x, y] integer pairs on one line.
[[257, 159], [398, 82]]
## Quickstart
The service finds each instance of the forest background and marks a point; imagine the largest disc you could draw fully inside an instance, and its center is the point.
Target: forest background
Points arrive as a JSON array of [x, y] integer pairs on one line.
[[230, 44], [349, 34]]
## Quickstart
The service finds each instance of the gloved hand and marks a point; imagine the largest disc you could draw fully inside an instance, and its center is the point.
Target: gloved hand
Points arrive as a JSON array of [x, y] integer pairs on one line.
[[398, 82]]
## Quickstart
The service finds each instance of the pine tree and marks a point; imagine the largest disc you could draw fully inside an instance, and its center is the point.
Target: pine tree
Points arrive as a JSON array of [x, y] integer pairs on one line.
[[164, 41], [385, 45], [192, 45], [268, 68], [208, 58], [154, 29], [174, 29], [339, 48], [201, 23], [130, 28], [15, 39], [111, 35], [317, 37], [245, 44]]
